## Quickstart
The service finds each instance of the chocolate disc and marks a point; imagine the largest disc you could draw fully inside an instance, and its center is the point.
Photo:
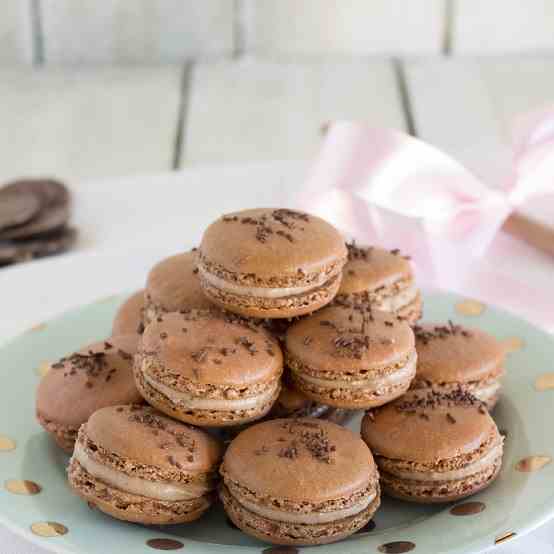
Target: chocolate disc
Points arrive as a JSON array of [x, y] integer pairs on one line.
[[17, 208], [53, 198], [38, 247]]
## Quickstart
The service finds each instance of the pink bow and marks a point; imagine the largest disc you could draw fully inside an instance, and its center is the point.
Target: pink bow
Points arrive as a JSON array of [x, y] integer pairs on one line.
[[383, 186]]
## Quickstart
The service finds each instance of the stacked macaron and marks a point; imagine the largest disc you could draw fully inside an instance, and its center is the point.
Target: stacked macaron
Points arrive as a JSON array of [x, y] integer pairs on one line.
[[267, 335]]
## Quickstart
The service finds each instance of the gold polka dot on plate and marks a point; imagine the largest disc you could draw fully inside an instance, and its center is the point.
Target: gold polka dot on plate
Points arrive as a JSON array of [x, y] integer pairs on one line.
[[6, 443], [398, 547], [38, 327], [280, 550], [467, 509], [532, 463], [505, 537], [22, 486], [513, 344], [48, 529], [545, 382], [470, 307], [43, 368], [164, 544]]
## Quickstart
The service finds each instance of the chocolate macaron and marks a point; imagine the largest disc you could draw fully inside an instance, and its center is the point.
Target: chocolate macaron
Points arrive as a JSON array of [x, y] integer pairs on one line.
[[135, 464], [351, 357], [96, 376], [172, 286], [206, 369], [271, 263], [432, 447], [451, 357], [302, 481], [128, 318], [382, 279]]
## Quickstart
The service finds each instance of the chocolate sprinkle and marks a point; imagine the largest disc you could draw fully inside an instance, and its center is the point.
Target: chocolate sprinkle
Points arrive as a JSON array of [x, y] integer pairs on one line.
[[439, 332], [450, 418]]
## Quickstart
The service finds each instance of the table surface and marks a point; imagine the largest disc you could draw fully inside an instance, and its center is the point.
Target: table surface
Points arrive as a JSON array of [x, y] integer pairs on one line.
[[103, 129]]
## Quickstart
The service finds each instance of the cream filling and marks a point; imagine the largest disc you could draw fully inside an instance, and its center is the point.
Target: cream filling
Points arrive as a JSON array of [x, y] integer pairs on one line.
[[263, 292], [171, 492], [398, 301], [455, 474], [311, 518], [487, 392], [399, 376], [187, 400]]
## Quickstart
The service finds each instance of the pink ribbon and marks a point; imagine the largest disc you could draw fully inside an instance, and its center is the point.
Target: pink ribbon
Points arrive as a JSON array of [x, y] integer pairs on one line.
[[385, 187]]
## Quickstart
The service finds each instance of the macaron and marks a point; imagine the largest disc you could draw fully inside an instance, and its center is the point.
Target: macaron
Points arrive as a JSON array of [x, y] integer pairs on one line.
[[96, 376], [128, 318], [299, 482], [207, 369], [452, 356], [172, 285], [382, 279], [351, 357], [135, 464], [434, 447], [271, 263]]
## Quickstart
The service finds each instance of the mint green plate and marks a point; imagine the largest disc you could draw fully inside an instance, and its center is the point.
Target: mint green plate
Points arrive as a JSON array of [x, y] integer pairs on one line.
[[514, 505]]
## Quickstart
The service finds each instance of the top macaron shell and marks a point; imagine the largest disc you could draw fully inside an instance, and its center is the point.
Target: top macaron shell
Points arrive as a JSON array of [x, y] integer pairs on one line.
[[128, 431], [128, 318], [253, 355], [374, 267], [258, 459], [69, 394], [313, 340], [447, 430], [454, 354], [173, 285], [270, 258]]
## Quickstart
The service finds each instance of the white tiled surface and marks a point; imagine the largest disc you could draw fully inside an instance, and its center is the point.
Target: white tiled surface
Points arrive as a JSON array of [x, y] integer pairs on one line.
[[87, 123], [15, 32], [286, 27], [502, 26], [251, 110], [137, 31]]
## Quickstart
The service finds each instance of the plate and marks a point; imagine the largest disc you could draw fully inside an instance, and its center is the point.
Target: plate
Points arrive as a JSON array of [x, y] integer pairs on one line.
[[53, 517]]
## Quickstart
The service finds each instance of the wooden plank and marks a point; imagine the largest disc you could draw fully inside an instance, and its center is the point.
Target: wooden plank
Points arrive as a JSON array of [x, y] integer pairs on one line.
[[502, 26], [289, 27], [15, 32], [138, 31], [253, 111], [82, 124]]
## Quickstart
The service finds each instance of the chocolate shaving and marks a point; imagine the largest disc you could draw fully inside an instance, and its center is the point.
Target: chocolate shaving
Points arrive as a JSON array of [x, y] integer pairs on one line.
[[450, 418]]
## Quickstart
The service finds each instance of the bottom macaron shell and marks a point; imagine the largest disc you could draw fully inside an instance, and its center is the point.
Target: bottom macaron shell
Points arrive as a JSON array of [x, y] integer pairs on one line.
[[207, 418], [131, 507], [64, 435], [290, 306], [345, 399], [280, 532], [437, 492]]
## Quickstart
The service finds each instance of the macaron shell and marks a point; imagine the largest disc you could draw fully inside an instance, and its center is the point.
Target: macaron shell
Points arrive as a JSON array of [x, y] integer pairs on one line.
[[179, 350], [256, 460], [312, 246], [129, 315], [377, 269], [446, 431], [312, 339], [147, 437], [130, 507], [472, 356], [277, 532], [173, 284], [70, 399]]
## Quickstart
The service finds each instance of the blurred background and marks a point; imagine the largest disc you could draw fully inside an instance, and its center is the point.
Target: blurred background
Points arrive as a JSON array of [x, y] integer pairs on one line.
[[92, 89]]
